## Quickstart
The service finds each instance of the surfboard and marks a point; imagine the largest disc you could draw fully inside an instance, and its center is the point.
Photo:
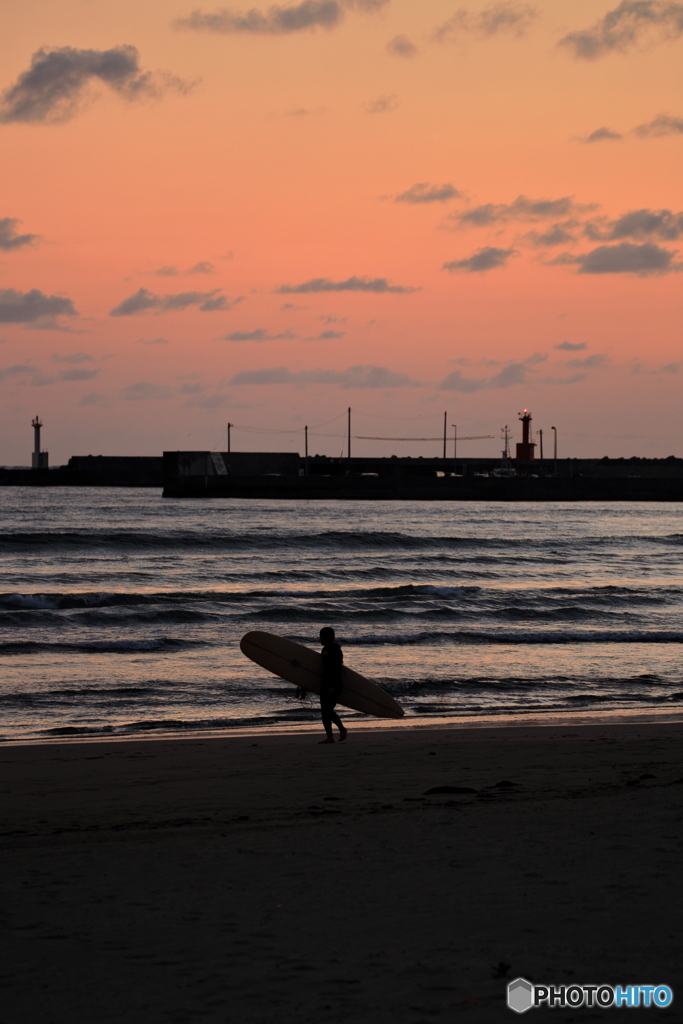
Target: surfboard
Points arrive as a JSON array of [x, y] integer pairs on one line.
[[303, 667]]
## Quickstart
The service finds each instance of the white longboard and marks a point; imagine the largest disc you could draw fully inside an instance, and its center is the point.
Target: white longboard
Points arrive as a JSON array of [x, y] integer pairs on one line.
[[303, 667]]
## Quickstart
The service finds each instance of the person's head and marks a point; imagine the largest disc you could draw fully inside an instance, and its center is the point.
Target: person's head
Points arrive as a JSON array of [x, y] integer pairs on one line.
[[326, 635]]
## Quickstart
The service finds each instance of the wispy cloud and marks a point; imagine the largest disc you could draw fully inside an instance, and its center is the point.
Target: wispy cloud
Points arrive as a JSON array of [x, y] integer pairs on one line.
[[144, 391], [556, 234], [595, 362], [26, 373], [71, 357], [423, 192], [659, 127], [632, 23], [153, 341], [32, 306], [522, 209], [512, 18], [307, 15], [515, 373], [327, 336], [639, 224], [663, 124], [260, 334], [383, 104], [626, 258], [203, 267], [57, 81], [144, 301], [302, 111], [571, 346], [401, 46], [378, 285], [9, 239], [482, 260], [216, 400], [509, 376], [353, 377], [602, 135]]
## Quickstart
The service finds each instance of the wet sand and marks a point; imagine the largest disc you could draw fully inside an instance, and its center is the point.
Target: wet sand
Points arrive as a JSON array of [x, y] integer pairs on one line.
[[261, 879]]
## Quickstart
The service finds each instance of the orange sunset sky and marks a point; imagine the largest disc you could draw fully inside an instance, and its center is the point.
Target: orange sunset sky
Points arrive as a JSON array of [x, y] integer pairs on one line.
[[265, 215]]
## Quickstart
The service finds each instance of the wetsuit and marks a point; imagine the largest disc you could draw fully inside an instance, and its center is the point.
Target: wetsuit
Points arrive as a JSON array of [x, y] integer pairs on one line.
[[331, 685]]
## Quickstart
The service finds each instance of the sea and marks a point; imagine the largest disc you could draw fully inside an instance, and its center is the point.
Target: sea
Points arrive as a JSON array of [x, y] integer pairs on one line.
[[121, 611]]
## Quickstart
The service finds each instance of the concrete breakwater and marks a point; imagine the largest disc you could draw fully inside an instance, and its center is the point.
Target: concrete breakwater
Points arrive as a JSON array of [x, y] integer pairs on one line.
[[90, 471], [287, 475]]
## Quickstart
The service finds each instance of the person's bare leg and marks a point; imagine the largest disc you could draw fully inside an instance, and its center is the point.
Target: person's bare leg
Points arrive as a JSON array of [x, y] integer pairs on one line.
[[328, 716], [343, 733]]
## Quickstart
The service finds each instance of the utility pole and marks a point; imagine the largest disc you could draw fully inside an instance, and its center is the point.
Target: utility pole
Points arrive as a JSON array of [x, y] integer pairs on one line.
[[445, 417], [229, 426], [349, 435], [540, 438], [455, 448], [555, 455], [306, 451]]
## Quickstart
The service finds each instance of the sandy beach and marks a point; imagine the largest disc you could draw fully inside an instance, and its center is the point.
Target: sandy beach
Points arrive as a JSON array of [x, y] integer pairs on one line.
[[262, 878]]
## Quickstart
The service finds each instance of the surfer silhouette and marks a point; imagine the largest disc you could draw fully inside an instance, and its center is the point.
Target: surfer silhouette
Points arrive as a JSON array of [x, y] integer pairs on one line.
[[331, 684]]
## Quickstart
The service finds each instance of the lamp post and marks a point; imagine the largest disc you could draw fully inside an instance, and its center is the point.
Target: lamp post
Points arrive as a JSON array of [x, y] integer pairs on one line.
[[554, 429], [455, 448]]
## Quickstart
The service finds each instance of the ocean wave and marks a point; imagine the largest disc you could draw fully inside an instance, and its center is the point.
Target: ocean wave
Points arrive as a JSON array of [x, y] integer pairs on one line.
[[399, 593], [60, 601], [157, 645], [334, 613], [560, 684], [538, 637], [331, 540], [181, 725]]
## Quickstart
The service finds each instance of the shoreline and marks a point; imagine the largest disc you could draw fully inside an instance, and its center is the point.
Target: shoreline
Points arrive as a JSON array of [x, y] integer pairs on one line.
[[574, 719]]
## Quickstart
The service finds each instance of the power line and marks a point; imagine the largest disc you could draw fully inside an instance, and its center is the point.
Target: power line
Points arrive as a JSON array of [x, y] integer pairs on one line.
[[632, 437], [476, 437]]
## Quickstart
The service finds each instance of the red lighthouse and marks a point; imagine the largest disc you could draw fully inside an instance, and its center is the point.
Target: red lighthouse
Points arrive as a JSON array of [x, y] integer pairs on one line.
[[525, 450]]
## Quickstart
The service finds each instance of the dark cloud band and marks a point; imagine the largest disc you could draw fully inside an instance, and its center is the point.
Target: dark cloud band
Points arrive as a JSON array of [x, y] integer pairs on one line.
[[631, 23], [9, 239], [276, 21], [57, 80], [626, 258], [482, 260], [507, 17], [378, 285], [353, 377], [32, 306], [144, 301], [423, 193]]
